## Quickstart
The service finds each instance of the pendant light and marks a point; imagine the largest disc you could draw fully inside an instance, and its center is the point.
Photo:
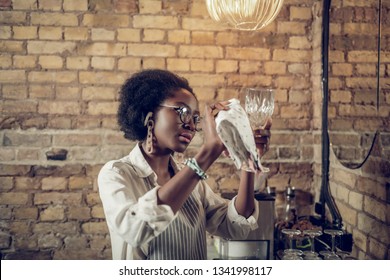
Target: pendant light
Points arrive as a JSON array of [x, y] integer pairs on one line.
[[244, 14]]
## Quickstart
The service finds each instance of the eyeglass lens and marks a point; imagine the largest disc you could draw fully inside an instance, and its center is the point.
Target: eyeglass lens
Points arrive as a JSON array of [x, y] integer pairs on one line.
[[185, 116]]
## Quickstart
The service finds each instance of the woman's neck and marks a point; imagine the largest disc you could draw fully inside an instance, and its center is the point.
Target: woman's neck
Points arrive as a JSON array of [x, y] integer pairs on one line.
[[159, 163]]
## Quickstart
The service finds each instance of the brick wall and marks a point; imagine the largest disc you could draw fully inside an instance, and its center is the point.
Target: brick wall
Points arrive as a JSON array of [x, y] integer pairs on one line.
[[316, 78], [362, 195], [61, 65], [353, 106]]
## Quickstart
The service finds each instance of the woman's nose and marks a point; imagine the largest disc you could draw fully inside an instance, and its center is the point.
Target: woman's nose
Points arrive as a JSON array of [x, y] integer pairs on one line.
[[190, 126]]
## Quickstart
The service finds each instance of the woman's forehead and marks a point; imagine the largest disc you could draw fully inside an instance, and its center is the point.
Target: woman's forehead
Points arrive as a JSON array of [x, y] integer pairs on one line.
[[184, 97]]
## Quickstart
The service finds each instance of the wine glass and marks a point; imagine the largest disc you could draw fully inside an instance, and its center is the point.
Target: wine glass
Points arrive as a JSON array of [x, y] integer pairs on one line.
[[325, 254], [259, 105], [291, 253], [333, 233], [344, 255], [312, 233]]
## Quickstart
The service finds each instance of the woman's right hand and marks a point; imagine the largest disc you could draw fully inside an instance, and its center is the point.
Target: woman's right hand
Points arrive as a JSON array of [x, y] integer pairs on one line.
[[262, 138], [211, 137]]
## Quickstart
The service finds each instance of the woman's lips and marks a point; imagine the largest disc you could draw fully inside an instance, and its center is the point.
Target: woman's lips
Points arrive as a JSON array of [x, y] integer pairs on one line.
[[185, 137]]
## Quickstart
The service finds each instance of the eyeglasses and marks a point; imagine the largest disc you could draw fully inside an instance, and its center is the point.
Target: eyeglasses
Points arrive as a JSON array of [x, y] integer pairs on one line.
[[185, 115]]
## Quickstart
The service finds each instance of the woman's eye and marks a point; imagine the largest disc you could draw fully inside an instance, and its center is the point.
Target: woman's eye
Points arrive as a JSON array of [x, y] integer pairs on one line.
[[185, 110]]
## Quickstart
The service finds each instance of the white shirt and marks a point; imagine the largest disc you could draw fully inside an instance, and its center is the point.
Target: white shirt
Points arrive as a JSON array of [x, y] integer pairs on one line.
[[142, 229]]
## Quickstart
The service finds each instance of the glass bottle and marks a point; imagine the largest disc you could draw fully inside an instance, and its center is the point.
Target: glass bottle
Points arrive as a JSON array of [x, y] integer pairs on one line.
[[290, 212], [272, 192]]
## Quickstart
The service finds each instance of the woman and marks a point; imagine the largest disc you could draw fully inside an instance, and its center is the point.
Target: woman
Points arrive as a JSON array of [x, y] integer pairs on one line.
[[154, 210]]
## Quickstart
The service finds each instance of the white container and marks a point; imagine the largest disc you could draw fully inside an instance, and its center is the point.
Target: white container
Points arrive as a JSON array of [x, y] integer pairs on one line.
[[244, 249], [260, 242]]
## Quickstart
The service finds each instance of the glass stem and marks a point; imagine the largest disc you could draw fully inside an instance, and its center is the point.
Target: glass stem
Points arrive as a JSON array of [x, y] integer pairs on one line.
[[333, 244], [312, 244]]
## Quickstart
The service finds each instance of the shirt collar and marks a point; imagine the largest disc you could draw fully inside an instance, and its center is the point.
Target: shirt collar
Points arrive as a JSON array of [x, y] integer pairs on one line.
[[142, 167]]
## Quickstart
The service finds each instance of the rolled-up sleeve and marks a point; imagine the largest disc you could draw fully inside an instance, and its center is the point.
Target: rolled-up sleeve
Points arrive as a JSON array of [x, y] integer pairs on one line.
[[250, 222], [223, 219], [130, 208]]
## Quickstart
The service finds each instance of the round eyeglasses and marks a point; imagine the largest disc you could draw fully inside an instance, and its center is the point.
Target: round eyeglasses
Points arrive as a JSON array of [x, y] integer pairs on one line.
[[185, 115]]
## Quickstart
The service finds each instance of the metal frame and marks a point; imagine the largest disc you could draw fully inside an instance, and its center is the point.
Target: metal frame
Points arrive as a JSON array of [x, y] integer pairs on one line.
[[325, 195]]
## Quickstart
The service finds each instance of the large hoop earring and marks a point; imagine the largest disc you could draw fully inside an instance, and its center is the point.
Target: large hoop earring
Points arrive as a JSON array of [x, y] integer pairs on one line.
[[149, 137]]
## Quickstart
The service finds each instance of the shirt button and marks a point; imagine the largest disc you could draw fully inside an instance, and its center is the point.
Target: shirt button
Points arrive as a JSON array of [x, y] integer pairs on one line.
[[133, 213]]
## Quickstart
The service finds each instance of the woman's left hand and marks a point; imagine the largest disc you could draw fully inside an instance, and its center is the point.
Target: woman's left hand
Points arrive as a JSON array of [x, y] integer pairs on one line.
[[262, 138]]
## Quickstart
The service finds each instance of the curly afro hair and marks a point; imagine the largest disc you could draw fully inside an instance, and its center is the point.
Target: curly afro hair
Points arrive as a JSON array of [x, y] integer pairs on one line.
[[143, 92]]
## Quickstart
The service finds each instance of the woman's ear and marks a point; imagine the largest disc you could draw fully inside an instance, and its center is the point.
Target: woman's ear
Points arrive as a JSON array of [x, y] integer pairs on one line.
[[147, 118]]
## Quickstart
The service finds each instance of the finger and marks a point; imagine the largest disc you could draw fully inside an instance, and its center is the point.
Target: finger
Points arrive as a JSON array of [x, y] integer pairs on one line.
[[262, 149], [223, 105], [213, 110], [262, 132], [268, 124], [262, 140]]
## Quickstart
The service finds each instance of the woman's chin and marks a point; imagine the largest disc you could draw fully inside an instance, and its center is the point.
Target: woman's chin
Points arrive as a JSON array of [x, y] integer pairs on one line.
[[181, 148]]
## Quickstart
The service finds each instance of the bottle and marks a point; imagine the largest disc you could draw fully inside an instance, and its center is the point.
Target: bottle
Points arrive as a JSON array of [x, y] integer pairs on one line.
[[272, 192], [290, 212]]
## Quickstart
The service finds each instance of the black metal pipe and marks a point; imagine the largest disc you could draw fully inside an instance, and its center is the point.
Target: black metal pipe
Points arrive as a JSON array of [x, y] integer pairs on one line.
[[325, 195], [378, 74]]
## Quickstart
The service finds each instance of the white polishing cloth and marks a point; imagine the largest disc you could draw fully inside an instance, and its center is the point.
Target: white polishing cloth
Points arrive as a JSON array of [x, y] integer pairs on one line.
[[234, 129]]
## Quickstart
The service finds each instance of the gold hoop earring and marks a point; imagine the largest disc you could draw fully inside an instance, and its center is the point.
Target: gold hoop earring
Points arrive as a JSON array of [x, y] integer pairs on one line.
[[149, 137]]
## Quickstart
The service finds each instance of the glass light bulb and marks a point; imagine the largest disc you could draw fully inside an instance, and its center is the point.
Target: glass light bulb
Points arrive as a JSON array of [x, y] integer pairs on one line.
[[244, 14]]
